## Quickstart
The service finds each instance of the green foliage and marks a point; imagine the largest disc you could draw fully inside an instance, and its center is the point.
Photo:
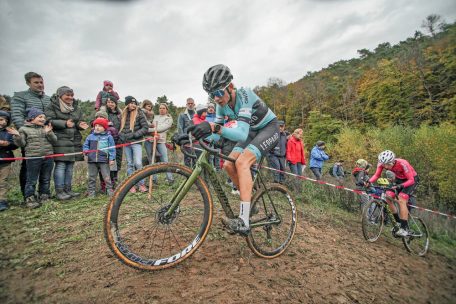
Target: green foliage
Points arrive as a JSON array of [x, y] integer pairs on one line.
[[321, 127]]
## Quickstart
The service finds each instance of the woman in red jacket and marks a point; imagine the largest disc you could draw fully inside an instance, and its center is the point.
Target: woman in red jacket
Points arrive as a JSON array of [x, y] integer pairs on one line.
[[295, 153]]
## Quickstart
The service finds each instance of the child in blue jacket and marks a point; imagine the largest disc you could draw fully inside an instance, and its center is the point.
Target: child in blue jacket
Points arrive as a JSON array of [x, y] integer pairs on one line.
[[99, 161]]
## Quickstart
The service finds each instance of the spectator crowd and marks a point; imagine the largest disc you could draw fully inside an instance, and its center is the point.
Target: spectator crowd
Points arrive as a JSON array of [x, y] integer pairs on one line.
[[53, 125]]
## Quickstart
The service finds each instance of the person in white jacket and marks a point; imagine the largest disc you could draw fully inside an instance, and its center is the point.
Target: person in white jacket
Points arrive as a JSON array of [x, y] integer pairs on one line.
[[162, 123]]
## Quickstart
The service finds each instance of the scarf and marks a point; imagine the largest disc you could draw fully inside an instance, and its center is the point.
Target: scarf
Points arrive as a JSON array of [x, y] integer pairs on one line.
[[65, 108]]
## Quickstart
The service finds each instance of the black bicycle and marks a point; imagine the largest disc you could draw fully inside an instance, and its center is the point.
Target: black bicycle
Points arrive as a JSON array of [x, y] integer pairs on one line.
[[376, 213]]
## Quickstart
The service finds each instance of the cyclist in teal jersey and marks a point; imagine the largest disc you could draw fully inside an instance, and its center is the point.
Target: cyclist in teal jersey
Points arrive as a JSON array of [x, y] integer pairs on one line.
[[256, 132]]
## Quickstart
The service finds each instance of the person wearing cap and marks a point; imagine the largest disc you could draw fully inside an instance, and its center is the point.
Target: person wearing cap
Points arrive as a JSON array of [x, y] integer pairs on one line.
[[317, 158], [277, 156], [107, 93], [37, 138], [65, 115], [210, 117], [99, 158], [34, 97], [6, 151], [133, 127]]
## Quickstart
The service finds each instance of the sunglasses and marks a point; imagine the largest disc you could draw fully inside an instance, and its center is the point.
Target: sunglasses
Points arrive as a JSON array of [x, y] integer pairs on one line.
[[218, 93]]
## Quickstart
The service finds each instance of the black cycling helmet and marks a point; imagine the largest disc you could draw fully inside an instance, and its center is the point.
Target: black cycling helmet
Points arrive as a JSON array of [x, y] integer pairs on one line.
[[216, 77]]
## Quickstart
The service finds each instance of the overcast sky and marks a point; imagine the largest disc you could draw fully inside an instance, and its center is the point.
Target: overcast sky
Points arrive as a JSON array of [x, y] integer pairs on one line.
[[154, 48]]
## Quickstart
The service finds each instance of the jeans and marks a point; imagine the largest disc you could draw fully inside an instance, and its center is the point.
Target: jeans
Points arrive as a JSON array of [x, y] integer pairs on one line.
[[161, 148], [296, 168], [133, 153], [23, 173], [277, 163], [38, 169], [316, 172], [63, 174]]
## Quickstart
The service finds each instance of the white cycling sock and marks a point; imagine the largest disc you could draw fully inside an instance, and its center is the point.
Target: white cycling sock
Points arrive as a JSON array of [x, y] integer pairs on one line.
[[244, 212]]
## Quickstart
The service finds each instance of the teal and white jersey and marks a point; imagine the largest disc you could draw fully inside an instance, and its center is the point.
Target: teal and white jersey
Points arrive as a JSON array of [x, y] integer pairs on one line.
[[249, 111]]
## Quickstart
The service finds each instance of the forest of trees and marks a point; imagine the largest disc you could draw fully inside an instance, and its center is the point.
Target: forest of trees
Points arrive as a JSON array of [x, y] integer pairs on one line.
[[399, 97], [411, 83]]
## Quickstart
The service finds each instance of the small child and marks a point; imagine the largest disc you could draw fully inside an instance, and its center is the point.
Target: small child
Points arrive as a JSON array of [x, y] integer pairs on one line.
[[200, 115], [113, 168], [99, 161], [104, 95], [6, 151], [37, 139]]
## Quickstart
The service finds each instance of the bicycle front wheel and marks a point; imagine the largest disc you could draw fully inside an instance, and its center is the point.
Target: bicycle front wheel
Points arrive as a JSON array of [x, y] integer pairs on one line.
[[273, 219], [372, 220], [139, 229], [417, 242]]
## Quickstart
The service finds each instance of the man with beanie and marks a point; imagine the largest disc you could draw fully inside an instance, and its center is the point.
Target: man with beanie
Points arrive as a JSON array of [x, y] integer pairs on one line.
[[317, 158], [34, 97], [277, 155], [183, 122], [6, 151], [107, 93], [210, 117], [100, 158]]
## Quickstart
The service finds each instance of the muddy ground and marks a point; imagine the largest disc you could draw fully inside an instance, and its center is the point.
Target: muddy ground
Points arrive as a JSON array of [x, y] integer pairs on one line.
[[67, 261]]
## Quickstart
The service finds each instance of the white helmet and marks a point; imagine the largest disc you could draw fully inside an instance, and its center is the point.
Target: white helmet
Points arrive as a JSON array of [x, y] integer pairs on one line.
[[386, 157]]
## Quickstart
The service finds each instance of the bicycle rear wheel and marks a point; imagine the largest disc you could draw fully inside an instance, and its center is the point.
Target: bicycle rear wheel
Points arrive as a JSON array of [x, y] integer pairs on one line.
[[137, 229], [418, 240], [274, 211], [372, 220]]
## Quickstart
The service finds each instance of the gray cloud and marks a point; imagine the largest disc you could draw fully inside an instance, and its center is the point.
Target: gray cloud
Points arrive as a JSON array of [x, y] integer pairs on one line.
[[152, 48]]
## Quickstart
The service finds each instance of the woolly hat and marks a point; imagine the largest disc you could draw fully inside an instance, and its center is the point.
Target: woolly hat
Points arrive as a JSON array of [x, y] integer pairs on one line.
[[64, 90], [200, 109], [107, 82], [130, 99], [390, 175], [320, 143], [7, 115], [281, 123], [102, 122], [210, 105], [102, 114], [32, 113]]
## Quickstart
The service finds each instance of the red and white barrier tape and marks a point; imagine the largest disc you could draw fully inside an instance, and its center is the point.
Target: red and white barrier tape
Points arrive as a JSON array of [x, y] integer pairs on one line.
[[450, 216], [77, 153]]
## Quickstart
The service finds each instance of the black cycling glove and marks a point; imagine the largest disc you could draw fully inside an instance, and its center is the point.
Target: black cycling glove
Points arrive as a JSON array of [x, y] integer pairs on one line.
[[201, 130]]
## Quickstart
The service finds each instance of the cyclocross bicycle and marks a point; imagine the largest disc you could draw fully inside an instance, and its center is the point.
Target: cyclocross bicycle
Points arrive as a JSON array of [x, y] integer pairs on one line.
[[376, 212], [160, 229]]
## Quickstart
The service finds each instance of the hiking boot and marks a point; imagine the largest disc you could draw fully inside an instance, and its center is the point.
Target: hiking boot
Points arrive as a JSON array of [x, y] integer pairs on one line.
[[70, 192], [44, 198], [142, 188], [133, 189], [402, 232], [236, 225], [31, 203], [4, 206], [61, 195]]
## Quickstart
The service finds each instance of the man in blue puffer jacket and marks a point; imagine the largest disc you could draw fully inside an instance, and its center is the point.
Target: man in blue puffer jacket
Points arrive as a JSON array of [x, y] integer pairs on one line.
[[99, 161], [317, 158]]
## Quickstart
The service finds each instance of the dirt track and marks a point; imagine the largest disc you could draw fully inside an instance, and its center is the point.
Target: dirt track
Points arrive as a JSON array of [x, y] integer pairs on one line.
[[326, 263]]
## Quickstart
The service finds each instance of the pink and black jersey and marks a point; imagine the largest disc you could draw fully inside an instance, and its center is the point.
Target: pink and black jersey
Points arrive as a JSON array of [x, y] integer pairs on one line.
[[401, 168]]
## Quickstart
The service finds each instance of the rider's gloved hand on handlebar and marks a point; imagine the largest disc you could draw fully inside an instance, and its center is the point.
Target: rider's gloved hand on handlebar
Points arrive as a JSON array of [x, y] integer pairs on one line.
[[398, 187], [201, 130]]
